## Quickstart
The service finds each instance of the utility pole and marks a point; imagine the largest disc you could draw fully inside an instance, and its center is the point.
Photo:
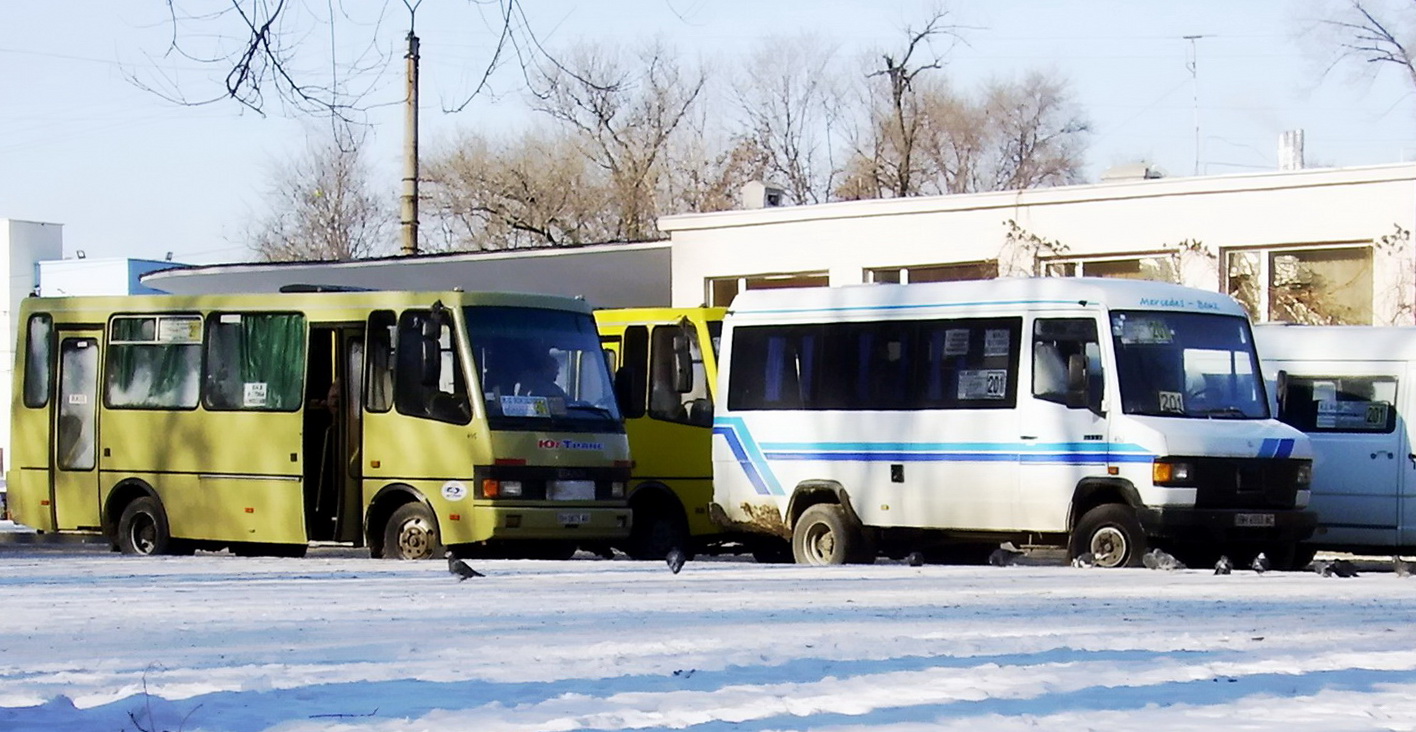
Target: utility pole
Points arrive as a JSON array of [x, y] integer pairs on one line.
[[409, 223], [1192, 62]]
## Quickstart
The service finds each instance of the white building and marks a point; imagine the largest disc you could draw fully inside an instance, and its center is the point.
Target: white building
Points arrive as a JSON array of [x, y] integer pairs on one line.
[[101, 276], [25, 244], [1293, 245]]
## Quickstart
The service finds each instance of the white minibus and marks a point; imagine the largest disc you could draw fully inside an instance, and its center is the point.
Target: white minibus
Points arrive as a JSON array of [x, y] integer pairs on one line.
[[1104, 416], [1348, 388]]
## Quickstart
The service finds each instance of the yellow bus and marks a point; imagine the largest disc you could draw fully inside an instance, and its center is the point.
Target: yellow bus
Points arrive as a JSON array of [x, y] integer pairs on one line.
[[665, 362], [399, 421]]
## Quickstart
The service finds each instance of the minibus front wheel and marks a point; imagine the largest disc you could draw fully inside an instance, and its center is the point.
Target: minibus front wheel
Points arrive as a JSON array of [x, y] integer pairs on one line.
[[1112, 534], [823, 535], [411, 533]]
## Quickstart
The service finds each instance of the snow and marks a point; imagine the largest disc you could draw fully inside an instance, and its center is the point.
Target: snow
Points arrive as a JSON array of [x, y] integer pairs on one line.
[[95, 641]]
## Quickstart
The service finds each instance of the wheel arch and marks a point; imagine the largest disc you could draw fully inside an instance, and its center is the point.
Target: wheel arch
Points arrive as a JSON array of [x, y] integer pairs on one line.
[[124, 493], [808, 493], [381, 507], [652, 492], [1094, 492]]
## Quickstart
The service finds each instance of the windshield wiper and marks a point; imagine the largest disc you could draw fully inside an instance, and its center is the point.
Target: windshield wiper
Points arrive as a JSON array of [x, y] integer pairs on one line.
[[1223, 412], [592, 408]]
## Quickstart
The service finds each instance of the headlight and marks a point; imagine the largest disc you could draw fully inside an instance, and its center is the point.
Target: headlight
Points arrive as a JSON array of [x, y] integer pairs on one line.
[[1170, 473], [617, 489], [1304, 477], [511, 488]]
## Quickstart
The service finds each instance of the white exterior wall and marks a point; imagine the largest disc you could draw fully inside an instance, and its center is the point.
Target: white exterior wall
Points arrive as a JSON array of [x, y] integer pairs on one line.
[[1278, 209], [25, 244]]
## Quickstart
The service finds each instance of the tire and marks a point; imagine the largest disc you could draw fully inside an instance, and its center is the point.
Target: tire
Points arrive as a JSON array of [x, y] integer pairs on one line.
[[824, 536], [656, 528], [412, 533], [143, 530], [1112, 534]]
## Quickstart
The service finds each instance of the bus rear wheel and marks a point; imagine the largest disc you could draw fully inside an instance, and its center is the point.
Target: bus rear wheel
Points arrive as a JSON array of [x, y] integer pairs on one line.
[[411, 533], [823, 536], [142, 529]]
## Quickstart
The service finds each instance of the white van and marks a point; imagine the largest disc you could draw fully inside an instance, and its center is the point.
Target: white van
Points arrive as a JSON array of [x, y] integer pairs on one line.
[[1097, 414], [1348, 388]]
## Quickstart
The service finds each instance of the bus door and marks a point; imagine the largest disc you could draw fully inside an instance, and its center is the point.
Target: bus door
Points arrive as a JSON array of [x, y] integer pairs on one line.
[[333, 431], [74, 443], [1062, 433]]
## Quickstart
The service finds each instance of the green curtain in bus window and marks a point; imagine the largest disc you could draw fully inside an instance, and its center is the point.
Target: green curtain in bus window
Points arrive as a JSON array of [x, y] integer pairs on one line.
[[151, 375], [255, 362]]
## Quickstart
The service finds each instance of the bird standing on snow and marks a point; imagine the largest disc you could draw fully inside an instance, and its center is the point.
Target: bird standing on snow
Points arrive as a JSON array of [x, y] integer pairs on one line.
[[675, 559], [1005, 555], [1084, 560], [461, 569], [1157, 559], [1400, 566], [1223, 566], [1338, 568], [1260, 563], [915, 559]]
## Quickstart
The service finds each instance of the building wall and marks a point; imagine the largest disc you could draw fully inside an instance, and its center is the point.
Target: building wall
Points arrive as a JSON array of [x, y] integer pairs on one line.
[[101, 276], [25, 244], [1220, 217]]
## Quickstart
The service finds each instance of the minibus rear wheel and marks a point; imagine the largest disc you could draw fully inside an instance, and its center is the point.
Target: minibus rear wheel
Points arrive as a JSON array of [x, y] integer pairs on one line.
[[823, 536], [142, 529], [1111, 534]]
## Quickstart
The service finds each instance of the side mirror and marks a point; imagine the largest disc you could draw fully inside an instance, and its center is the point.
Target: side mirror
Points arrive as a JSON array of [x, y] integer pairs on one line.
[[1077, 382], [1280, 390]]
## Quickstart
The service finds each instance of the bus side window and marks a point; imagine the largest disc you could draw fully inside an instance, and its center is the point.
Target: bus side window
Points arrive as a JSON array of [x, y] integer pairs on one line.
[[1058, 345], [382, 327], [632, 379], [39, 360]]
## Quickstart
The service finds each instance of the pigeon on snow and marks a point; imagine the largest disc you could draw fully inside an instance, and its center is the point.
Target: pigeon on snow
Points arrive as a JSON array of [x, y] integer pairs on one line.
[[1157, 559], [1336, 568], [915, 559], [1400, 566], [1223, 566], [461, 569], [1084, 560], [675, 559], [1261, 563], [1005, 555]]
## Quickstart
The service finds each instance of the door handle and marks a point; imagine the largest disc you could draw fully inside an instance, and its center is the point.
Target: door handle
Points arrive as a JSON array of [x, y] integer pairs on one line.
[[1034, 437], [1390, 455]]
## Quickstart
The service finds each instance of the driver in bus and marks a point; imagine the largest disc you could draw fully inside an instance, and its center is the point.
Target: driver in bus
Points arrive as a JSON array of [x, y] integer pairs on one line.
[[538, 377]]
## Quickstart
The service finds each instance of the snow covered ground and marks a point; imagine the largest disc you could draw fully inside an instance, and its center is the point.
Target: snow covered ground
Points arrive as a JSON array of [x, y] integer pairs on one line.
[[335, 641]]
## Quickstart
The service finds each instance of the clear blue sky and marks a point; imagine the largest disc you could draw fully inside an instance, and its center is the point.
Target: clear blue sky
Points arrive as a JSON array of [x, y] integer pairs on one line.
[[130, 174]]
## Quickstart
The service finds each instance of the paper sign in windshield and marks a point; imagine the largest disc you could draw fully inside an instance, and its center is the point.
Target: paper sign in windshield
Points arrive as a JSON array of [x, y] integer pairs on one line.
[[253, 394], [983, 384], [525, 406], [1335, 415]]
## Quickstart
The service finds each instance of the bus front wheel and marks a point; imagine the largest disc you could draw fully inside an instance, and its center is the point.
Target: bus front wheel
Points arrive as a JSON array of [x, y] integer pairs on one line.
[[412, 533], [1111, 534], [823, 536], [142, 529]]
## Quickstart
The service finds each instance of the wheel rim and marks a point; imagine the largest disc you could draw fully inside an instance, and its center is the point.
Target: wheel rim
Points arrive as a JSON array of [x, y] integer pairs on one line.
[[1108, 546], [820, 543], [142, 534], [415, 538]]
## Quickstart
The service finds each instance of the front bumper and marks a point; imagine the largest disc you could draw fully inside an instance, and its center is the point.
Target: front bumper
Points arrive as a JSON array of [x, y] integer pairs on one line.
[[1228, 525], [560, 523]]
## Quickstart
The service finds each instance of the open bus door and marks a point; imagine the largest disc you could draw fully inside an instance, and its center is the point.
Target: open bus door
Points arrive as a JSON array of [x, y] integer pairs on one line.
[[333, 431]]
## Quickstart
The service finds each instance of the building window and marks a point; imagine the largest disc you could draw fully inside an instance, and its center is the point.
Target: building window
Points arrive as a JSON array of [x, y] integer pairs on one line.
[[1156, 269], [722, 290], [1316, 285], [986, 270]]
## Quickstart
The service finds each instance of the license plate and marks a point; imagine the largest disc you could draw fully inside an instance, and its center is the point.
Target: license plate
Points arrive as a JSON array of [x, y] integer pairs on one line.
[[571, 490], [573, 519], [1253, 519]]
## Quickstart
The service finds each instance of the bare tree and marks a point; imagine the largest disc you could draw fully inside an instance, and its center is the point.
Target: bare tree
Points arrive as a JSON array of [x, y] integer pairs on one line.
[[1379, 34], [625, 111], [1038, 132], [321, 207], [537, 190], [791, 105]]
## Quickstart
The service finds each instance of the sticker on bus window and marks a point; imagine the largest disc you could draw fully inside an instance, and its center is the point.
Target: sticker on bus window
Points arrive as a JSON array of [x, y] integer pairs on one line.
[[1142, 330], [78, 398], [179, 330], [983, 384], [995, 342], [956, 342], [525, 406], [253, 394], [1336, 415], [230, 319], [1172, 401]]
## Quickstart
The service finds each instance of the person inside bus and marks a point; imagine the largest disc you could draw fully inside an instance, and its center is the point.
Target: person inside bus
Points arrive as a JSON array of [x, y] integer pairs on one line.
[[538, 377]]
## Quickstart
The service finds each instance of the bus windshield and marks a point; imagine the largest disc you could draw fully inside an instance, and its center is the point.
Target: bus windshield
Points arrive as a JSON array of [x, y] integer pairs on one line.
[[1194, 365], [541, 369]]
